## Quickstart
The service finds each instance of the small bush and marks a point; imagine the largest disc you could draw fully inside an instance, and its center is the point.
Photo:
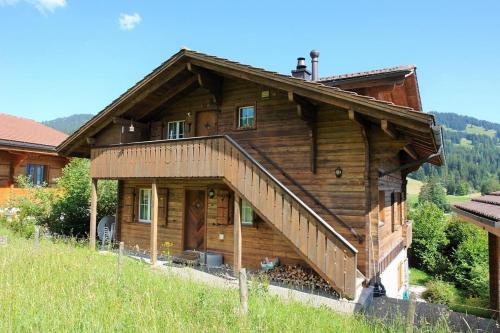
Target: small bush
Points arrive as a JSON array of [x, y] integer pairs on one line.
[[440, 292], [428, 238]]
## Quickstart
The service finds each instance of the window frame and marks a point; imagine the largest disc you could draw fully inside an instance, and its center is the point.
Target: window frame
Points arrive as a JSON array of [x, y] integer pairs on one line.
[[177, 127], [37, 168], [144, 190], [245, 206], [381, 208], [237, 120]]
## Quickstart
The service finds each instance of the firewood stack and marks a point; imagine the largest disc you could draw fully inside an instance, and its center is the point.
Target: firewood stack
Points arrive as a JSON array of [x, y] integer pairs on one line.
[[300, 278]]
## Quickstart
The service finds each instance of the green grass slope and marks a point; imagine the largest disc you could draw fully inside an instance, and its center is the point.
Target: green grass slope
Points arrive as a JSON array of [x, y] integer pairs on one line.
[[64, 287]]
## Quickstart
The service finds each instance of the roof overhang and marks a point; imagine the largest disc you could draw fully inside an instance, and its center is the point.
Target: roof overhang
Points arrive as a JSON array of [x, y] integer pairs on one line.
[[484, 223], [416, 125], [27, 147]]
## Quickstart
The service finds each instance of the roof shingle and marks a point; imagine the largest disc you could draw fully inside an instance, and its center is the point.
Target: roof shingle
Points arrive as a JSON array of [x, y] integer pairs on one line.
[[24, 130]]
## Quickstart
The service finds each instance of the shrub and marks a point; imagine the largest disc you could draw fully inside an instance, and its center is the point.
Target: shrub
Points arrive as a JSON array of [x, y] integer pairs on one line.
[[433, 191], [33, 208], [440, 292], [71, 213], [429, 238]]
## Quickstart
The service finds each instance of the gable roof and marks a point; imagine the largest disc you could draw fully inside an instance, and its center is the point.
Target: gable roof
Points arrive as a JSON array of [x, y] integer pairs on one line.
[[404, 117], [27, 133], [372, 74]]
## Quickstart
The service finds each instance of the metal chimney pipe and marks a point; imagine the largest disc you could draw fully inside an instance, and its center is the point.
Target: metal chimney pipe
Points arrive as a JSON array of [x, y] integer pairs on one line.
[[314, 59]]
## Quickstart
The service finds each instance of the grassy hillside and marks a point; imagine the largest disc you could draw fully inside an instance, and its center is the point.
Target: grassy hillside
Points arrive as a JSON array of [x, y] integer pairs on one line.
[[64, 287], [472, 149], [413, 189], [68, 124]]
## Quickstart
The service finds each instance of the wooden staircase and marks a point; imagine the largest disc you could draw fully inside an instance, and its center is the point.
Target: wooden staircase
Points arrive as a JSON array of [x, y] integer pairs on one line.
[[317, 242]]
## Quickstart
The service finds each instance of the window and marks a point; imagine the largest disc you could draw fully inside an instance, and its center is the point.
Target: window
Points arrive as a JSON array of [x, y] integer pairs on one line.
[[393, 212], [246, 117], [381, 208], [37, 174], [145, 205], [246, 213], [175, 129]]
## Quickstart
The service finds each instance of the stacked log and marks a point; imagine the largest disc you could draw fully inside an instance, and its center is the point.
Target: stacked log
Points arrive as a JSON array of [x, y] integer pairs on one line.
[[300, 278]]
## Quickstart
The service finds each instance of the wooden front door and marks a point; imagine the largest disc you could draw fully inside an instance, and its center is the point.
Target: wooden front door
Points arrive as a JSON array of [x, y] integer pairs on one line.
[[194, 220], [206, 123]]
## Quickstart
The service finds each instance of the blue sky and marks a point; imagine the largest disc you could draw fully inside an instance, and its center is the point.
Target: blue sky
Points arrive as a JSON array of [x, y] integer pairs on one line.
[[61, 57]]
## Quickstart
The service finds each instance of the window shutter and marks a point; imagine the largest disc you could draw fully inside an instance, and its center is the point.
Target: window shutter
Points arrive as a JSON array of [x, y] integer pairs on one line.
[[163, 206]]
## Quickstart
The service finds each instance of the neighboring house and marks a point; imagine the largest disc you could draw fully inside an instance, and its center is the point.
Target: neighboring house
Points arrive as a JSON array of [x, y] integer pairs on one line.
[[28, 148], [217, 156], [484, 211]]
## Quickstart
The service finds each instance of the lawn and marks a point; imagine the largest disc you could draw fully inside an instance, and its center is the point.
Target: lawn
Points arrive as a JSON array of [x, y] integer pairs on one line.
[[418, 277], [64, 287]]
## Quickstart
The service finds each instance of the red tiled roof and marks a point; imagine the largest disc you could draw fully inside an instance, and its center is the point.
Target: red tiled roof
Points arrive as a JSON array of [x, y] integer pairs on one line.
[[486, 206], [22, 130], [383, 71]]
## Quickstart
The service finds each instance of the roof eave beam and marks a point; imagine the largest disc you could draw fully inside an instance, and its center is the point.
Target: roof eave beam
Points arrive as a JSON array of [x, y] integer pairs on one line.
[[211, 82]]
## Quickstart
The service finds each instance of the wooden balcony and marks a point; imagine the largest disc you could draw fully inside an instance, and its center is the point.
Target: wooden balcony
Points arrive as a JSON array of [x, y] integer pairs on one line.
[[334, 258]]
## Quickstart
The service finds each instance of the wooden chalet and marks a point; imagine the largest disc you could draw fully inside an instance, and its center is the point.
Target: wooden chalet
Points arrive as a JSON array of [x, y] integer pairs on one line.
[[217, 156], [28, 148]]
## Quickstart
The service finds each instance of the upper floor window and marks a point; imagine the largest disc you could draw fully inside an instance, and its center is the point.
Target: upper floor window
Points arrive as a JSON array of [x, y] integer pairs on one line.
[[37, 174], [145, 205], [246, 117], [246, 213], [381, 208], [175, 129]]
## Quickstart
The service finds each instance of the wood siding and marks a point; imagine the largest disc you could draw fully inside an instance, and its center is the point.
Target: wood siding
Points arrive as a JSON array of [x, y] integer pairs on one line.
[[218, 157], [13, 164]]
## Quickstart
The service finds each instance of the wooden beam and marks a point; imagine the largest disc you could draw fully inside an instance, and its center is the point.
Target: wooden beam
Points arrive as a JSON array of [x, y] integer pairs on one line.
[[90, 141], [209, 81], [356, 118], [127, 122], [93, 213], [411, 152], [388, 128], [179, 88], [237, 234], [154, 223], [307, 111]]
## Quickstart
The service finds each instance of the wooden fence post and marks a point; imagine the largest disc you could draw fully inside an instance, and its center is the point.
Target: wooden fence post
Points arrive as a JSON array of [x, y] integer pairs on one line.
[[154, 223], [237, 234], [120, 262], [37, 236], [243, 292], [410, 315]]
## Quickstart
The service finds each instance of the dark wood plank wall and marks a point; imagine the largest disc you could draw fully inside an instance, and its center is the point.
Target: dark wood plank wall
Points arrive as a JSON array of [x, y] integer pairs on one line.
[[55, 165], [283, 137], [384, 155], [259, 241]]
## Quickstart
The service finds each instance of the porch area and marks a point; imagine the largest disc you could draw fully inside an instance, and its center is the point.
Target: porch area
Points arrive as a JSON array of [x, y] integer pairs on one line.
[[217, 174]]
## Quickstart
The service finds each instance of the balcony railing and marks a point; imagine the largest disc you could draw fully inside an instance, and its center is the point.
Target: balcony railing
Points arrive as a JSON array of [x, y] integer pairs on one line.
[[319, 244]]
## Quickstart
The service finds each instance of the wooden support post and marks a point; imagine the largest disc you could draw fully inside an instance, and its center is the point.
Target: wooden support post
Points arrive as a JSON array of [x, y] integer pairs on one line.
[[237, 234], [494, 259], [154, 224], [93, 213], [243, 292]]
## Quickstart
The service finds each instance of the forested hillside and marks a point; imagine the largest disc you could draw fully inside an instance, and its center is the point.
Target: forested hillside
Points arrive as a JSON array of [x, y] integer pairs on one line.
[[472, 149], [68, 124]]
